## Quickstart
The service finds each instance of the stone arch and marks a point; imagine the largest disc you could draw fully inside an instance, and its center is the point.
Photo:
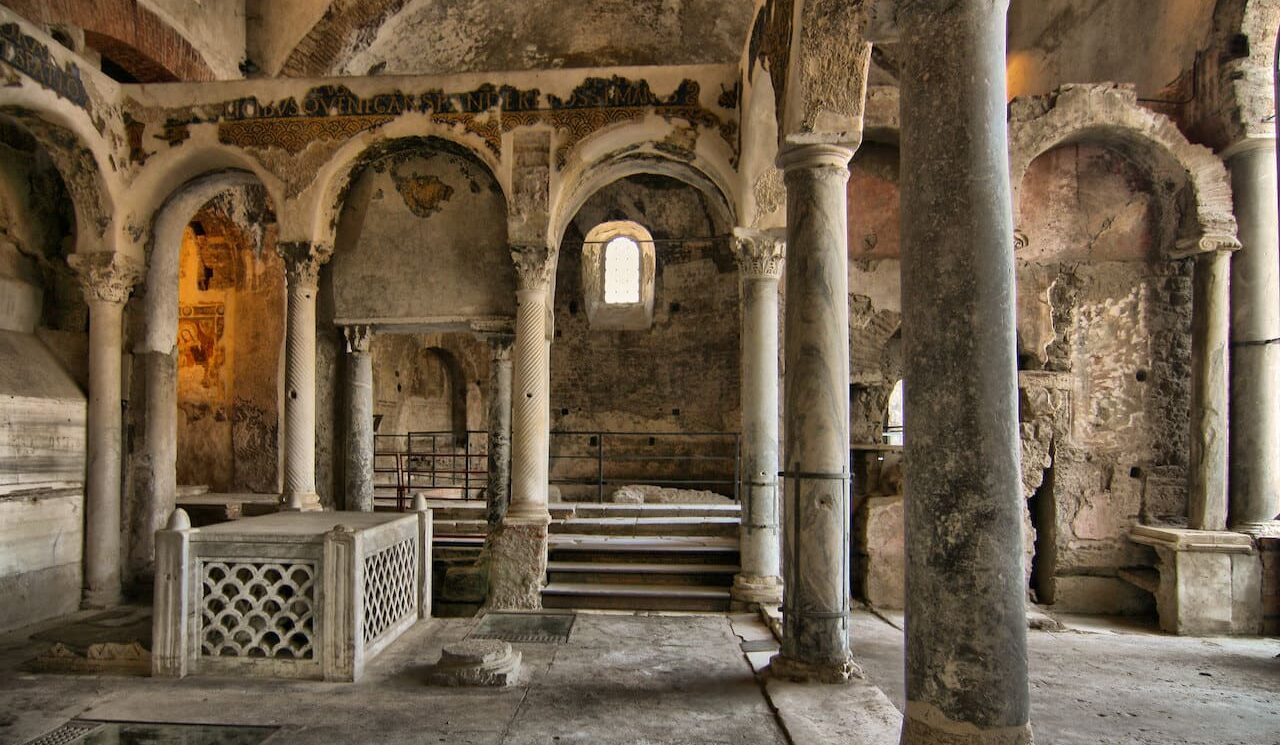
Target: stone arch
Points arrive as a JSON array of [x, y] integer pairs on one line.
[[458, 389], [1108, 114], [332, 182], [129, 34], [318, 51]]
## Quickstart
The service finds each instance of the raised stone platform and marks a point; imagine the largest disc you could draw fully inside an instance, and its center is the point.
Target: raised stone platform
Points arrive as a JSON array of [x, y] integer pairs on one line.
[[1210, 581]]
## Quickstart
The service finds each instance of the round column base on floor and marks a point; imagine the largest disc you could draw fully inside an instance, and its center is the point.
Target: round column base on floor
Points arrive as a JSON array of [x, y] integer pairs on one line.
[[926, 725], [801, 671], [748, 591], [300, 502]]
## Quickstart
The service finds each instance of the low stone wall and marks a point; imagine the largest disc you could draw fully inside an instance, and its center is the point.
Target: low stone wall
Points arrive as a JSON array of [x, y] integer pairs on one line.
[[41, 537]]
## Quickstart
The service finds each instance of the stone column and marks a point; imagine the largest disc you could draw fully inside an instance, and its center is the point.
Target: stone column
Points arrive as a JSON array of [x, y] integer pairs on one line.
[[302, 261], [518, 548], [815, 641], [1255, 328], [359, 419], [966, 626], [760, 261], [1210, 329], [107, 279], [498, 493]]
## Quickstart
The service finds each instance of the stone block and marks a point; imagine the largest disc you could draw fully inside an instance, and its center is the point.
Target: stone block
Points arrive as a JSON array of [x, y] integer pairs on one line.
[[1210, 581], [517, 565], [466, 584], [884, 580], [1101, 596], [476, 662]]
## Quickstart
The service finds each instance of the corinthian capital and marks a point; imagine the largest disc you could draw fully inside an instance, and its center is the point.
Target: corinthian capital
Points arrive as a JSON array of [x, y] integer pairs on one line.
[[534, 265], [302, 262], [358, 338], [106, 276], [760, 253]]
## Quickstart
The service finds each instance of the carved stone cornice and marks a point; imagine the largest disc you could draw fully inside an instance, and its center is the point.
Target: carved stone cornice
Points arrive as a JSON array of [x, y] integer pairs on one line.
[[534, 265], [760, 253], [106, 276], [302, 262], [358, 338]]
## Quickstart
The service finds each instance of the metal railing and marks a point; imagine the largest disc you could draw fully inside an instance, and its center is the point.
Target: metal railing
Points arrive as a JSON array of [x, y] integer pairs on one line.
[[587, 464], [447, 465]]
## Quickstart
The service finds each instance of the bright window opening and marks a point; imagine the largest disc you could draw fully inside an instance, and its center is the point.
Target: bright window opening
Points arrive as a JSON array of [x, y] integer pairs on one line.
[[622, 271], [893, 423]]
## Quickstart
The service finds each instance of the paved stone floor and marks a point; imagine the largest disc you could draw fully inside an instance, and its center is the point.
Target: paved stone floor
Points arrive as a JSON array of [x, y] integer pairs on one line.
[[1113, 682], [674, 679]]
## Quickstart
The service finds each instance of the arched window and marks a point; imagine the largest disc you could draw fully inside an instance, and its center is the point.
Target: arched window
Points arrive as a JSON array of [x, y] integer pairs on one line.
[[622, 271], [893, 418], [618, 269]]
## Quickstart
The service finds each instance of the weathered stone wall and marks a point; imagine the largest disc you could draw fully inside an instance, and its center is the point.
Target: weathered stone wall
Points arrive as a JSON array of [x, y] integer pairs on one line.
[[40, 555], [230, 343], [429, 383], [681, 374]]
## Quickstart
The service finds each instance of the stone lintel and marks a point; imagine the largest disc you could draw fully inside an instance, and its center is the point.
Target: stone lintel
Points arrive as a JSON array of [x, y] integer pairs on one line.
[[1185, 539]]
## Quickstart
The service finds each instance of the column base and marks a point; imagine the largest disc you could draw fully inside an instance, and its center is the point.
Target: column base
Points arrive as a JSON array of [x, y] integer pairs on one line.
[[101, 599], [748, 591], [301, 502], [925, 724], [800, 671], [1267, 529], [517, 553]]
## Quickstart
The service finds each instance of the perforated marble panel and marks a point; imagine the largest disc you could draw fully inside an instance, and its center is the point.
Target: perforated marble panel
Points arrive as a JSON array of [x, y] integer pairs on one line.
[[257, 609], [389, 594]]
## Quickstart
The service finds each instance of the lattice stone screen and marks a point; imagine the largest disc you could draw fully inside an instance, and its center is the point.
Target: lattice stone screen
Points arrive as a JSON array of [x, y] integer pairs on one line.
[[294, 595]]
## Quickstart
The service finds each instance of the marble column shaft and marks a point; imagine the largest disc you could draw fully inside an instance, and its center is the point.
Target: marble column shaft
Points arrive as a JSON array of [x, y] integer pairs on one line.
[[498, 492], [760, 262], [815, 642], [1255, 326], [531, 384], [302, 272], [966, 628], [360, 446], [107, 280], [1210, 332]]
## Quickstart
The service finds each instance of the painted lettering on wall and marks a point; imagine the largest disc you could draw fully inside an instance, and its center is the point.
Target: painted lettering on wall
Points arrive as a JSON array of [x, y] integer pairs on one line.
[[28, 55]]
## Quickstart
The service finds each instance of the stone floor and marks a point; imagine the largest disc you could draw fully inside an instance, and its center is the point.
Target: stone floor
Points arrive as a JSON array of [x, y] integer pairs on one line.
[[667, 679]]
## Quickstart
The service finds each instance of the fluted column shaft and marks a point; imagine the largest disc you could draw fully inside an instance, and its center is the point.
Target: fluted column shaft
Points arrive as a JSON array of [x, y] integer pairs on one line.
[[359, 419], [1210, 331], [760, 262], [530, 412], [1255, 326], [966, 628], [815, 643], [498, 493], [107, 280], [302, 272]]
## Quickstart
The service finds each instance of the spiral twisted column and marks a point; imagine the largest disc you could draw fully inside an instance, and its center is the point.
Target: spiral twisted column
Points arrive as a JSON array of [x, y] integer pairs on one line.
[[760, 262], [359, 419], [302, 260], [107, 279]]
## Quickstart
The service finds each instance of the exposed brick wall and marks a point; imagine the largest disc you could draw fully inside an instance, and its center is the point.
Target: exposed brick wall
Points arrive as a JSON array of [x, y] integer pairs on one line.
[[132, 36], [318, 52]]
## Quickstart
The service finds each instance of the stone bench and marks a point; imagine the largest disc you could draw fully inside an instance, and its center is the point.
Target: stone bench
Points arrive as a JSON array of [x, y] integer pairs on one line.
[[311, 595], [1210, 582]]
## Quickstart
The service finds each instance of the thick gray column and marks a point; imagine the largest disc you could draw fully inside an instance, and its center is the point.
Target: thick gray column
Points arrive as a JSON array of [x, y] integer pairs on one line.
[[1255, 328], [1210, 330], [498, 491], [107, 280], [359, 419], [966, 626], [518, 548], [815, 642], [760, 262], [302, 262]]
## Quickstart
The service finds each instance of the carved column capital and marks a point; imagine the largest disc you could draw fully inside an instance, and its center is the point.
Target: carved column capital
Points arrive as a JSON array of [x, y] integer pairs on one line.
[[358, 338], [534, 265], [106, 276], [760, 253], [302, 262], [500, 346]]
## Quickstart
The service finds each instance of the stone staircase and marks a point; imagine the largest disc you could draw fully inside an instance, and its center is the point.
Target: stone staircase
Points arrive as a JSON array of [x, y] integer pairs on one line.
[[643, 557]]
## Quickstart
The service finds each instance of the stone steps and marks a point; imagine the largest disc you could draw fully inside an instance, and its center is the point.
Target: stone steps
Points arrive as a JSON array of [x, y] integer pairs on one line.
[[695, 525], [640, 573], [619, 596]]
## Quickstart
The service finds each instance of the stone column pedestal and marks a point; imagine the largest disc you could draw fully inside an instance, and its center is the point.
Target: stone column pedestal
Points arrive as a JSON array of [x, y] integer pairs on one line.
[[815, 642], [359, 419], [966, 627], [302, 273], [1255, 326], [107, 279], [760, 262]]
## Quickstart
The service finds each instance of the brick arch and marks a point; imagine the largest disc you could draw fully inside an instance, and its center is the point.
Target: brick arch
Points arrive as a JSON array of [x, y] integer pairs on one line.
[[318, 52], [132, 36]]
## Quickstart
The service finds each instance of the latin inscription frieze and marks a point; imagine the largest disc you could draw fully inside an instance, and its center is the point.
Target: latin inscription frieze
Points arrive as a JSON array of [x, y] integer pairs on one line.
[[29, 56]]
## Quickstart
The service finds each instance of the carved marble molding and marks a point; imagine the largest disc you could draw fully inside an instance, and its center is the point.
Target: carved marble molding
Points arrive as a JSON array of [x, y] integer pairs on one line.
[[302, 262], [760, 253], [534, 265], [358, 338], [106, 276]]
